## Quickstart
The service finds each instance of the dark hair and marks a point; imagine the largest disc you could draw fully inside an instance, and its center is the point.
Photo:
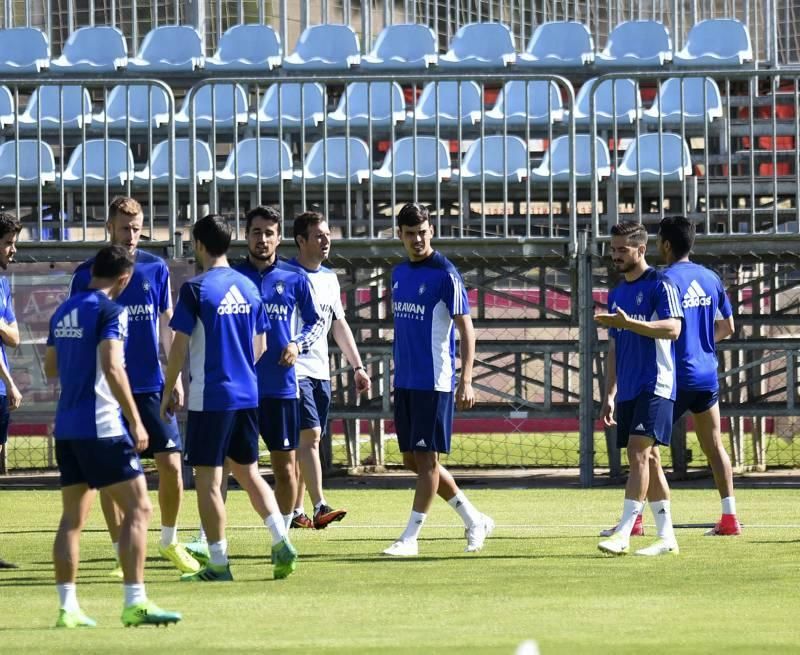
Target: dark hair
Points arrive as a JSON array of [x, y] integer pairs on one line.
[[679, 231], [635, 232], [304, 221], [266, 213], [111, 262], [124, 206], [412, 214], [214, 232], [9, 223]]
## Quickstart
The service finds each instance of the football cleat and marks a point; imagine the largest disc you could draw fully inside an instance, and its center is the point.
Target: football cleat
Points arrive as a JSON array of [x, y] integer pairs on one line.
[[180, 557], [284, 559], [326, 515], [660, 547], [117, 572], [199, 550], [75, 619], [7, 565], [148, 613], [638, 529], [728, 526], [402, 548], [615, 545], [210, 573], [477, 533], [302, 521]]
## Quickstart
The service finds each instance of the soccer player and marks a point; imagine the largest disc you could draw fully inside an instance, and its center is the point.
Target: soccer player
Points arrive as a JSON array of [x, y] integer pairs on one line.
[[10, 396], [148, 300], [428, 298], [288, 301], [220, 320], [644, 321], [708, 318], [313, 239], [95, 448]]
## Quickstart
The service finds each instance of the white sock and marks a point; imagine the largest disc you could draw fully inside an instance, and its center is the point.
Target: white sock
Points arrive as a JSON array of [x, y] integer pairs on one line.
[[68, 597], [415, 523], [630, 510], [319, 504], [663, 516], [466, 510], [729, 505], [287, 520], [202, 537], [276, 527], [115, 546], [299, 510], [219, 552], [134, 594], [169, 536]]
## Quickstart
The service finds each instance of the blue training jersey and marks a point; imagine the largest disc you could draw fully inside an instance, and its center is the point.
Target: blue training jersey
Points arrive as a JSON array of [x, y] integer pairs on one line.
[[222, 311], [704, 301], [288, 301], [146, 297], [7, 315], [86, 407], [645, 364], [426, 296]]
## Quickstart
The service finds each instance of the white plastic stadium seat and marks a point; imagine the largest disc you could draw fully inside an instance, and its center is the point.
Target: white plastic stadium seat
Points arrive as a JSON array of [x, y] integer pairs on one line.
[[228, 109], [269, 152], [158, 167], [53, 106], [505, 158], [292, 113], [93, 154], [339, 170], [384, 101], [538, 108], [556, 162], [701, 102], [29, 161], [447, 112], [616, 101], [669, 160], [432, 162]]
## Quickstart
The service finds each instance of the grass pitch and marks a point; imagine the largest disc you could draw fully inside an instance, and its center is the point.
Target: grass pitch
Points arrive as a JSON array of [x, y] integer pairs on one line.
[[540, 577]]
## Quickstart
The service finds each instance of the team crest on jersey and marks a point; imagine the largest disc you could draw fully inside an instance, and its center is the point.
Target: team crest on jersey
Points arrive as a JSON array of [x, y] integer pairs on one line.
[[422, 288], [395, 286], [146, 286], [613, 306], [639, 298], [279, 287]]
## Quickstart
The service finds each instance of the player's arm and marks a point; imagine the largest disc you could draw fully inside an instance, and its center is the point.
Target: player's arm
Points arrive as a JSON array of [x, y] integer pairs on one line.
[[664, 328], [313, 326], [166, 336], [465, 395], [610, 389], [51, 363], [175, 363], [13, 393], [343, 336], [259, 345], [9, 333], [112, 363], [723, 328]]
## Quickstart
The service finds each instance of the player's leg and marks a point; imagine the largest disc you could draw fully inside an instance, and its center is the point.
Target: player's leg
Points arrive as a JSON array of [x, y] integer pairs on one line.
[[283, 468], [278, 425], [113, 517], [658, 495]]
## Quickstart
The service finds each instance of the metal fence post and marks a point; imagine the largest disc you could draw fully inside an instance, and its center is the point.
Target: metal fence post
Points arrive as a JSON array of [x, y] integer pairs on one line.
[[585, 354]]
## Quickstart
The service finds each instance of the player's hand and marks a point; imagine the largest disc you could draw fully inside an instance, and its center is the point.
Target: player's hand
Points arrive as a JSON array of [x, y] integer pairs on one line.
[[607, 413], [289, 354], [140, 438], [618, 319], [465, 395], [14, 398], [363, 383], [167, 407], [177, 396]]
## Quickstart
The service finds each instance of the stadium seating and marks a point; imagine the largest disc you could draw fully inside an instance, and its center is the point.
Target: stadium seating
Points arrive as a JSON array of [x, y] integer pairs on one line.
[[30, 162], [636, 44], [291, 113], [53, 108], [480, 45], [93, 49], [495, 160], [616, 101], [134, 107], [8, 112], [402, 47], [23, 50], [432, 163], [324, 47], [383, 101], [275, 159], [246, 49], [700, 103], [222, 106], [347, 160], [560, 44], [169, 49], [157, 168], [538, 108], [556, 162], [716, 42], [88, 164], [427, 113], [655, 157]]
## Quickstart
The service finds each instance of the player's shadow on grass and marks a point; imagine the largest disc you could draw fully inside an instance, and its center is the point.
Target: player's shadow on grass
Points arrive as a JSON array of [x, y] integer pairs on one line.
[[773, 541]]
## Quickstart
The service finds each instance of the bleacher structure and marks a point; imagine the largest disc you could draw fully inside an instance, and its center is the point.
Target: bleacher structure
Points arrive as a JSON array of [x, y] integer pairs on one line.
[[529, 128]]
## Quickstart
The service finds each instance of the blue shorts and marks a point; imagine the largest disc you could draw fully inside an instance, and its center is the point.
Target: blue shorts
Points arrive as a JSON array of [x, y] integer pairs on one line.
[[315, 403], [694, 401], [278, 420], [423, 420], [646, 415], [97, 462], [4, 416], [213, 436], [163, 437]]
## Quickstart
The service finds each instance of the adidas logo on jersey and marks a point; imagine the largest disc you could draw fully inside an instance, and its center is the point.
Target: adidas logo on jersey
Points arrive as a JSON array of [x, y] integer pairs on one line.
[[68, 328], [233, 303], [695, 296]]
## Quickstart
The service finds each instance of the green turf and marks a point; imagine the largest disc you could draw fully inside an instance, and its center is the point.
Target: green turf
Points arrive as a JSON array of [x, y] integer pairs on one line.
[[539, 577]]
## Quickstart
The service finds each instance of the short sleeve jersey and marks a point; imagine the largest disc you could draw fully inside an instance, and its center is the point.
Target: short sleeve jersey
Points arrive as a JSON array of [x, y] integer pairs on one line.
[[426, 296], [146, 297], [86, 407], [704, 301], [6, 314], [645, 365], [221, 311], [288, 301], [325, 284]]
